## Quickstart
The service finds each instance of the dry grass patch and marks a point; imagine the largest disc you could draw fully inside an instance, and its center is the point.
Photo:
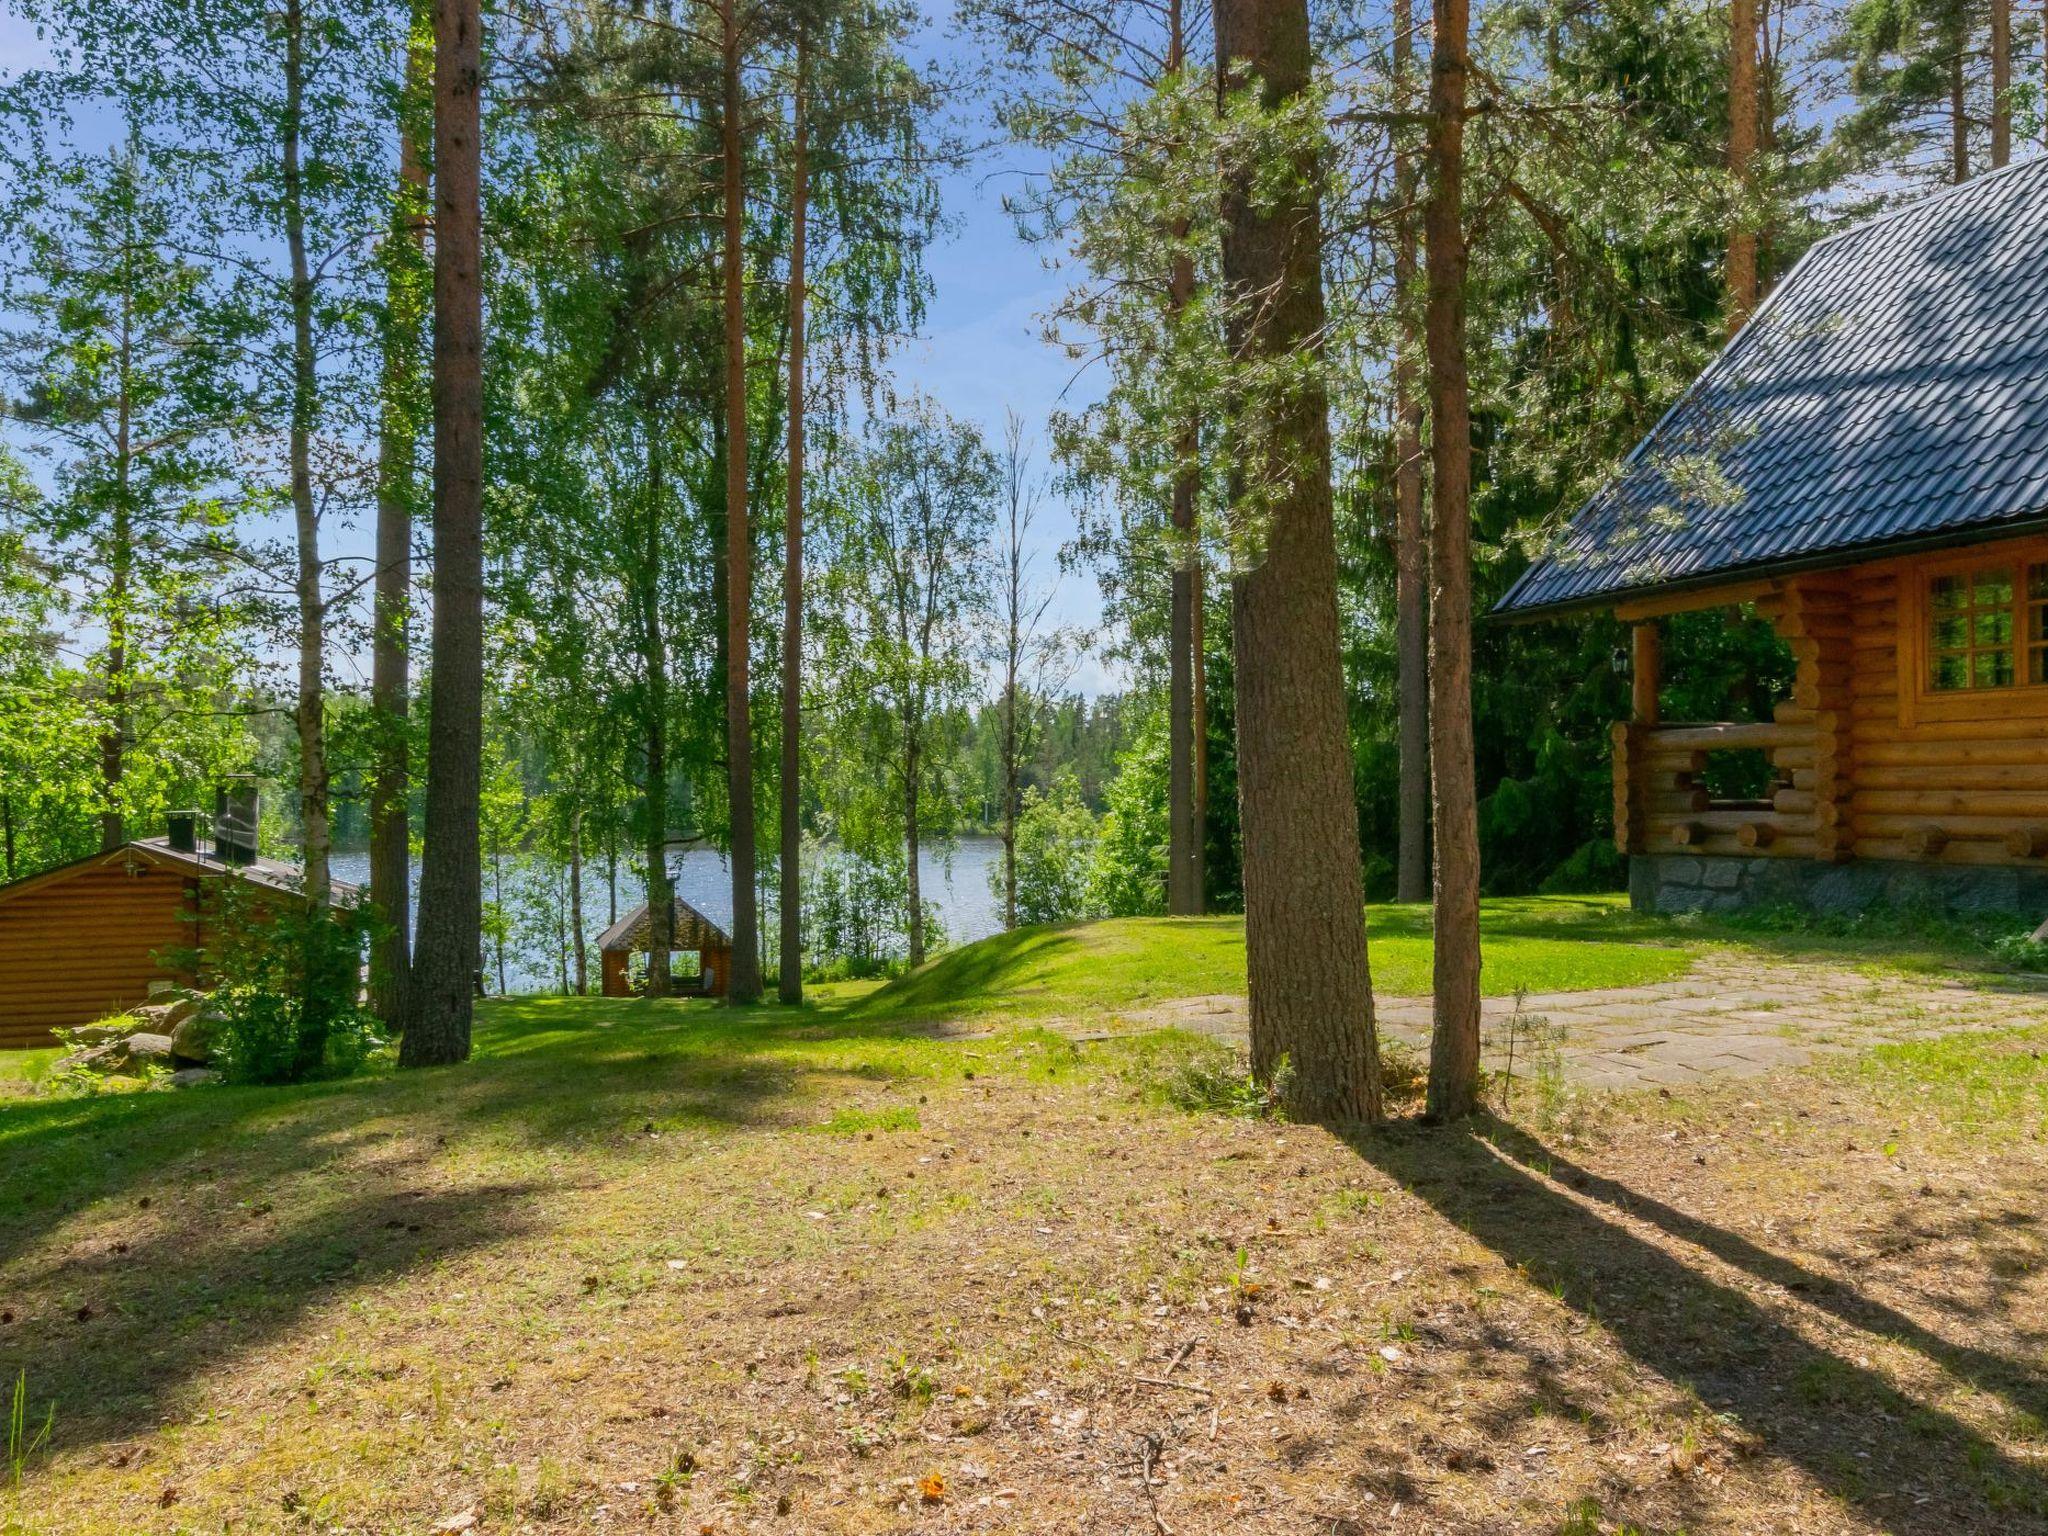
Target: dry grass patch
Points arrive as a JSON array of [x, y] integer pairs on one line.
[[657, 1269]]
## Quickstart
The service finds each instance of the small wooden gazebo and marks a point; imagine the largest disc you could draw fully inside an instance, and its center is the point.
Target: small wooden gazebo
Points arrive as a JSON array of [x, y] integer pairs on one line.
[[693, 933]]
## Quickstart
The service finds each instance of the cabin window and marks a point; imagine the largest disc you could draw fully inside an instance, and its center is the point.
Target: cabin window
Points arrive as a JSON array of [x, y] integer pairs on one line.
[[1970, 640], [1973, 636]]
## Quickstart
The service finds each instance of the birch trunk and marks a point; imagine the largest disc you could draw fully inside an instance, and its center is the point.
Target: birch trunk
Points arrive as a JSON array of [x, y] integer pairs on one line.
[[1740, 279], [311, 713], [789, 983], [745, 986]]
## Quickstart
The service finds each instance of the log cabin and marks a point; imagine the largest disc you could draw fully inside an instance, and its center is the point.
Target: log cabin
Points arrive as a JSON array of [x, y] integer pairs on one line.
[[1866, 466], [87, 939], [693, 936]]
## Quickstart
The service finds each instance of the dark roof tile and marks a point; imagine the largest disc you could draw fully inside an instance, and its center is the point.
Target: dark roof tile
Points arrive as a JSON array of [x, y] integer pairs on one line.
[[1893, 389]]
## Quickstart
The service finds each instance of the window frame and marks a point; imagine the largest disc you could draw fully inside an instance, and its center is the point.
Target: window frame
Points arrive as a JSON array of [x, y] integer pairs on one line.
[[1919, 700]]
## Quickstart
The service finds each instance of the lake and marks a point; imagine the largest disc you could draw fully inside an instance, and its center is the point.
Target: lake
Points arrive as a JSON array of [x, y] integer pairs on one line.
[[955, 880]]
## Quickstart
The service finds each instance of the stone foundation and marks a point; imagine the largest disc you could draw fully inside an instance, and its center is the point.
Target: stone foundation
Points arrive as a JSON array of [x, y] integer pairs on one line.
[[1710, 882]]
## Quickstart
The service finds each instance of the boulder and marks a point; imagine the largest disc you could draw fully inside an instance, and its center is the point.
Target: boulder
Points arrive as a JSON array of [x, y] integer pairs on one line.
[[146, 1049], [193, 1077], [100, 1034], [162, 1017], [196, 1036], [105, 1057]]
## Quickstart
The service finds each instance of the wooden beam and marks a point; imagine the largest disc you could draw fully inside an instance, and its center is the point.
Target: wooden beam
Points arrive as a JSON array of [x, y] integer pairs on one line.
[[1658, 605], [1647, 672]]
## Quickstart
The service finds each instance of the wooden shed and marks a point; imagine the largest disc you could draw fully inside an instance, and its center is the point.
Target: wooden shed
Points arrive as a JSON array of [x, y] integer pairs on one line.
[[1865, 466], [694, 934], [86, 939]]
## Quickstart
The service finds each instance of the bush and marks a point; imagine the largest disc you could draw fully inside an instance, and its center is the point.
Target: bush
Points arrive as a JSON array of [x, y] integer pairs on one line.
[[855, 917], [2022, 951], [1596, 866], [1127, 875], [288, 993], [1055, 842]]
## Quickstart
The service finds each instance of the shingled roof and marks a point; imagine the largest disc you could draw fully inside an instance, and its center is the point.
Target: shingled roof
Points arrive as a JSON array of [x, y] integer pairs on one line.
[[1891, 394], [693, 930]]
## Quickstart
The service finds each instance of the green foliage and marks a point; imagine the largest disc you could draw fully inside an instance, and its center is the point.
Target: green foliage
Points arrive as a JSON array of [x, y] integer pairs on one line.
[[1127, 875], [25, 1438], [2022, 951], [854, 915], [1055, 846], [288, 990]]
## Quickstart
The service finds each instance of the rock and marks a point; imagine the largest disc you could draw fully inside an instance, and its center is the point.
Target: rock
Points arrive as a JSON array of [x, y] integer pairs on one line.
[[196, 1037], [164, 1017], [193, 1077], [148, 1050], [125, 1053], [100, 1034]]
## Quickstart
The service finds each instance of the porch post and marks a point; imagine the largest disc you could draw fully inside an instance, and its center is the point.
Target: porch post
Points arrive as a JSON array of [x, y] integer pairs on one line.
[[1646, 672]]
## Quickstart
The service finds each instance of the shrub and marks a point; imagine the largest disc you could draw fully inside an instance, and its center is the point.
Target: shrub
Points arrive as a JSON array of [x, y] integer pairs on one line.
[[288, 992], [1055, 842], [854, 918], [1127, 875]]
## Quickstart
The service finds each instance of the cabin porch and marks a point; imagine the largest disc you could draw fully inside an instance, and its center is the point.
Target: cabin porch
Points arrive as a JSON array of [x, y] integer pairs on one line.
[[1908, 767]]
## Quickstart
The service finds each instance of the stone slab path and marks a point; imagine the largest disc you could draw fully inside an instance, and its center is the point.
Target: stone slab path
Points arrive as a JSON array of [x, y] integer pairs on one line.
[[1730, 1016]]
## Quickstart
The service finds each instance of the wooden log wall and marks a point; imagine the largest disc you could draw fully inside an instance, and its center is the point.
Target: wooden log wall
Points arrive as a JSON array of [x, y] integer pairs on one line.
[[1860, 771], [81, 946], [1948, 790]]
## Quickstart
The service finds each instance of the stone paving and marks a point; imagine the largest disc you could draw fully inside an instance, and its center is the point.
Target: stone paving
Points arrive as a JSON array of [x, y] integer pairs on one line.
[[1730, 1016]]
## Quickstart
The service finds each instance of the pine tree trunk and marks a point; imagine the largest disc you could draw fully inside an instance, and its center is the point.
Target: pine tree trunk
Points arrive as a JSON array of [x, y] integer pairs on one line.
[[311, 710], [1184, 829], [1958, 114], [439, 1004], [1310, 991], [789, 983], [2001, 83], [1740, 280], [390, 653], [1454, 1045], [739, 737], [1411, 554], [7, 850]]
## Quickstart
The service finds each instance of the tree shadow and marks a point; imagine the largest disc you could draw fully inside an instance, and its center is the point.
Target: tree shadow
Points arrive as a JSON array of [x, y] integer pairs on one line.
[[148, 1240], [138, 1322], [1911, 1467], [2021, 1386]]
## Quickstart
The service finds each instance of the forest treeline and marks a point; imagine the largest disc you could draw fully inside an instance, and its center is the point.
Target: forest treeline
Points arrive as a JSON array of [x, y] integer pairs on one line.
[[492, 426]]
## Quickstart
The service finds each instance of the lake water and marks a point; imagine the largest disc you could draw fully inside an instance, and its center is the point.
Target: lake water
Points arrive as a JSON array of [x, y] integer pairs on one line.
[[955, 879]]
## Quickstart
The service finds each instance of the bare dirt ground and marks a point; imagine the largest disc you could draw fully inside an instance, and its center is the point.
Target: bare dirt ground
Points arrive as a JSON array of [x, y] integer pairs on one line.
[[1734, 1014], [644, 1282]]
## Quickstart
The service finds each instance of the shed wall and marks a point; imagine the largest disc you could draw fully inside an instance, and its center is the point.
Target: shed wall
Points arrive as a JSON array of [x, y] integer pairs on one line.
[[83, 946]]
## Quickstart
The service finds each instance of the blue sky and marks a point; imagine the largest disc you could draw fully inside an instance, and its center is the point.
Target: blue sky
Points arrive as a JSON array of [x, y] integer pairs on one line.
[[981, 353]]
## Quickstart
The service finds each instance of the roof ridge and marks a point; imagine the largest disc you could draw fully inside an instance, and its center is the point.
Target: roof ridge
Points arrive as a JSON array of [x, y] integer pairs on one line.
[[1925, 201]]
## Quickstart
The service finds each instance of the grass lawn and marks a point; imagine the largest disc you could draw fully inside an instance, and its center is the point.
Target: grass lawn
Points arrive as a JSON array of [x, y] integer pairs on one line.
[[656, 1267], [1542, 943]]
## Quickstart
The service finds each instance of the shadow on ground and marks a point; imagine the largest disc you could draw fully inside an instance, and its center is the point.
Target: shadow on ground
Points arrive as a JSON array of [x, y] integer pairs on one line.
[[149, 1239], [1908, 1466]]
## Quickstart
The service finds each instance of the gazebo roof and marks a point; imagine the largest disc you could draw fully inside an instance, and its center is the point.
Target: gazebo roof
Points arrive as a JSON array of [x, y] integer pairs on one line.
[[693, 930]]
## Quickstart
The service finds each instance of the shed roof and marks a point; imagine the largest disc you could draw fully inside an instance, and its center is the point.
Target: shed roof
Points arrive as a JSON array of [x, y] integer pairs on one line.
[[272, 874], [1892, 393], [693, 930]]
